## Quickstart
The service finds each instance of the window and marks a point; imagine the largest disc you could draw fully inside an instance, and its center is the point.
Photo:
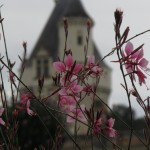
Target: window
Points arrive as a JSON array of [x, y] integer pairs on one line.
[[38, 68], [80, 37], [79, 40], [42, 67], [46, 68]]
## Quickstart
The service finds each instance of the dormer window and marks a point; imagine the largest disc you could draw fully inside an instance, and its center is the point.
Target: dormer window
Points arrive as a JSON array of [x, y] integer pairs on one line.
[[42, 67]]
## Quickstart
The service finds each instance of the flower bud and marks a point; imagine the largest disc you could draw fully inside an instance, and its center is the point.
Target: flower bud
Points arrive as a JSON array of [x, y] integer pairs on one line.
[[118, 17]]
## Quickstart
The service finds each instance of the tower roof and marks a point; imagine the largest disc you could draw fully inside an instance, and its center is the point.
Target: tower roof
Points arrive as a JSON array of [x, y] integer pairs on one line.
[[74, 8], [48, 39], [49, 36]]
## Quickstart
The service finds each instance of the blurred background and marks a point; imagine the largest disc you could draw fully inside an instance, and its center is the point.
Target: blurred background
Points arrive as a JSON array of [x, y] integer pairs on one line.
[[25, 20]]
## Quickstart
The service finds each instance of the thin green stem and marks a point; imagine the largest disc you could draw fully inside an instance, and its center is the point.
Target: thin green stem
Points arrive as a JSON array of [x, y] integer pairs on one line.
[[137, 35], [120, 119], [7, 147], [51, 114], [117, 38], [18, 79], [7, 58], [5, 97], [90, 127]]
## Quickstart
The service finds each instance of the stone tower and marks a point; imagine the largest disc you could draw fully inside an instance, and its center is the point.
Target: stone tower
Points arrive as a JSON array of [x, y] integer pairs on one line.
[[50, 45]]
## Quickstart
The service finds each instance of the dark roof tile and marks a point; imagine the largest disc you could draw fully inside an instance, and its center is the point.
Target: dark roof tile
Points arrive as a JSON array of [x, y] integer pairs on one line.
[[75, 9]]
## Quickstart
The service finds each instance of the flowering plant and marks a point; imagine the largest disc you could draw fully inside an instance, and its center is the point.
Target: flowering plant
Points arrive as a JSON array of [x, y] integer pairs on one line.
[[77, 96]]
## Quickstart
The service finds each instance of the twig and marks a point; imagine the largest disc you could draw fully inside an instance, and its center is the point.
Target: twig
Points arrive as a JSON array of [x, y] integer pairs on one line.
[[137, 35]]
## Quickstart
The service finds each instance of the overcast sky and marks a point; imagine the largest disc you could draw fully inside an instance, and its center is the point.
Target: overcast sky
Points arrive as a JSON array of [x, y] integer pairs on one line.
[[24, 21]]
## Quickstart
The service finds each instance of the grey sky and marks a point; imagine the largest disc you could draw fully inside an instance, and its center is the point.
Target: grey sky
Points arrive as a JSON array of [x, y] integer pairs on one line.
[[24, 21]]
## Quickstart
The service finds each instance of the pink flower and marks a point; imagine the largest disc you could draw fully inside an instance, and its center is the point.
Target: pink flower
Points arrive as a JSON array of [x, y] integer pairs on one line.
[[25, 100], [76, 88], [71, 90], [97, 126], [134, 62], [76, 113], [87, 89], [134, 57], [1, 120], [29, 111], [94, 69], [109, 128], [66, 101], [67, 65]]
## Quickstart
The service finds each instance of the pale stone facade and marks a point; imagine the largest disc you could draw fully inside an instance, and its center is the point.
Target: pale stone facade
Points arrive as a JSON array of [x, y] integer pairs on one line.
[[30, 77], [76, 27]]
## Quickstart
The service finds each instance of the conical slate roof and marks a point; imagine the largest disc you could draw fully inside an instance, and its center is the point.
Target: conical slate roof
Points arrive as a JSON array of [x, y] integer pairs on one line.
[[74, 8], [49, 37]]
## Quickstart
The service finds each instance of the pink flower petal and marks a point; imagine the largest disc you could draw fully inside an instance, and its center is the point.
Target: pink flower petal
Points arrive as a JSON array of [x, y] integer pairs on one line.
[[70, 119], [135, 55], [111, 132], [128, 48], [96, 70], [90, 60], [77, 88], [2, 122], [67, 101], [109, 129], [140, 54], [76, 113], [59, 66], [110, 122], [99, 121], [28, 104], [62, 92], [77, 68], [68, 61], [141, 76], [30, 112], [24, 99], [1, 111], [97, 126], [143, 63]]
